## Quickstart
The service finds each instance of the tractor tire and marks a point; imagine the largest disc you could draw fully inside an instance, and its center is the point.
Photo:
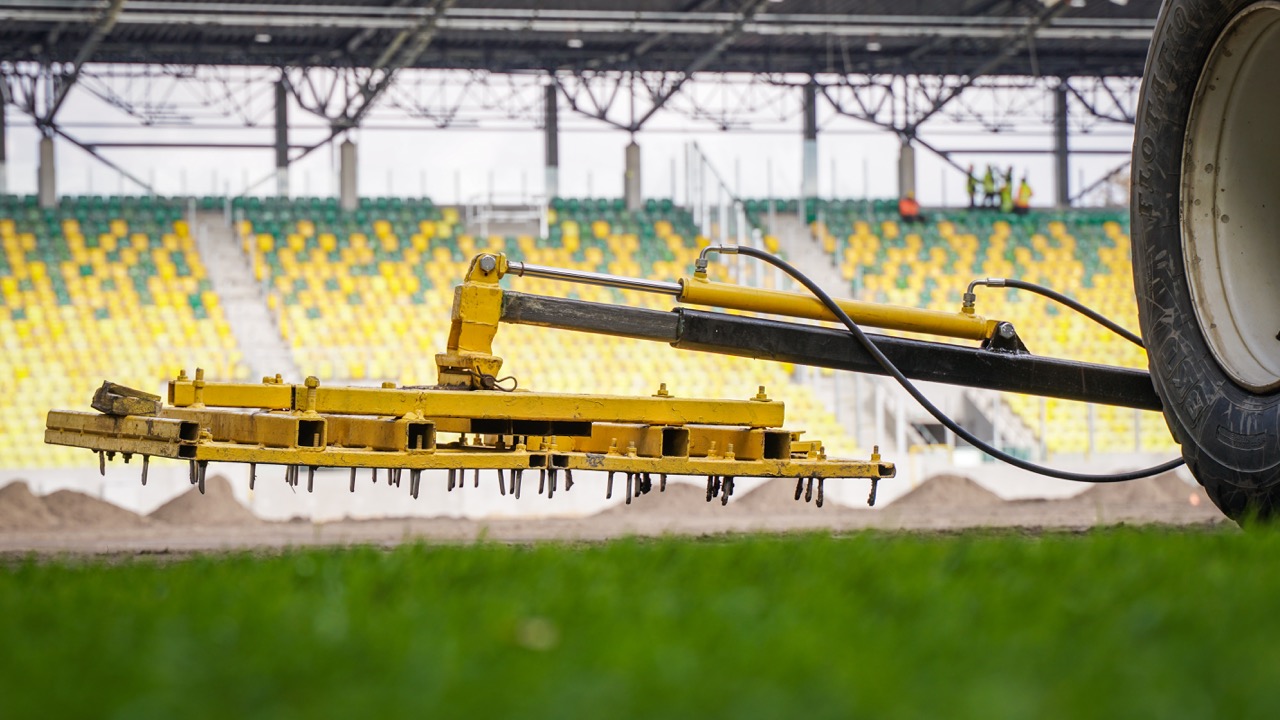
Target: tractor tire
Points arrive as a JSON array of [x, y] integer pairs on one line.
[[1206, 242]]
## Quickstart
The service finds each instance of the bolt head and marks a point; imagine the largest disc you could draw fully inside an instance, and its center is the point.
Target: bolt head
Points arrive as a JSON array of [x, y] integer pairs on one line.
[[488, 263], [1006, 331]]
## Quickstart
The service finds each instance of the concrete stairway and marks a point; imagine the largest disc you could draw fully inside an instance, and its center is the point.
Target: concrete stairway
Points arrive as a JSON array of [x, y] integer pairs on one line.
[[852, 400], [244, 301], [801, 250]]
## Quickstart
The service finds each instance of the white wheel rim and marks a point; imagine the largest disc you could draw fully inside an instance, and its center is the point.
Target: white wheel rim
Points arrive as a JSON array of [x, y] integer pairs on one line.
[[1230, 199]]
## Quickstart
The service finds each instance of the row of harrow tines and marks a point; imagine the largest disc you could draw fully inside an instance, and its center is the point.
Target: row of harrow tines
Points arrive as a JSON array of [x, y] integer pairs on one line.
[[391, 430]]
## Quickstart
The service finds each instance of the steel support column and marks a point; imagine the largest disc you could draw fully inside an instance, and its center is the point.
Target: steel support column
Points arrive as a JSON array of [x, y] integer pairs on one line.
[[631, 177], [1061, 148], [46, 185], [282, 139], [551, 139], [4, 149], [906, 169], [809, 152], [347, 198]]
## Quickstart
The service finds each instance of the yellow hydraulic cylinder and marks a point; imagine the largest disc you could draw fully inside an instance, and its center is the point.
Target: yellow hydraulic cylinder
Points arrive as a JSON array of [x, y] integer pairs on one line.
[[699, 291]]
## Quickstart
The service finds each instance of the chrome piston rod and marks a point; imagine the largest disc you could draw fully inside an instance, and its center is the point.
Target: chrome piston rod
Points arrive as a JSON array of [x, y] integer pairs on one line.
[[584, 277]]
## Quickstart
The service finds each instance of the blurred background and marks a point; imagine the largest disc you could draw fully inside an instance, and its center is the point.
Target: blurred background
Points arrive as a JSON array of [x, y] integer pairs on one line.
[[268, 187]]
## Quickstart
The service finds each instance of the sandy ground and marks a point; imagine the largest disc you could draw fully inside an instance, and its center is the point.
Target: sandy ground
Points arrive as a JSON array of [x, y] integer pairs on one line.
[[66, 522]]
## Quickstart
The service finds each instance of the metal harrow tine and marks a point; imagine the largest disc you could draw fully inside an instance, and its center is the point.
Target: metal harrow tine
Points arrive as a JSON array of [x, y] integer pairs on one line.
[[146, 462], [502, 483], [726, 491], [608, 488], [353, 479]]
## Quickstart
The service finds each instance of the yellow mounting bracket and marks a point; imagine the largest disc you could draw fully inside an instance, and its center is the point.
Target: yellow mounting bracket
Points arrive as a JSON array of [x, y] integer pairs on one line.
[[468, 360]]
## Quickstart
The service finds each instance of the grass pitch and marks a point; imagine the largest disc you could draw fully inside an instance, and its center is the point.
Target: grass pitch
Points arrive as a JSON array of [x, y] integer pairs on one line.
[[1120, 623]]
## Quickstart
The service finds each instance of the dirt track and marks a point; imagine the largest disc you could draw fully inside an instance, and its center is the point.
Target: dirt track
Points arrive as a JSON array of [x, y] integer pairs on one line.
[[67, 522]]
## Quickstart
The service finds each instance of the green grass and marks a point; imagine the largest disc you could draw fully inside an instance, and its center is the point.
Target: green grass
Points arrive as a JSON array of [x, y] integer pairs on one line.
[[1120, 623]]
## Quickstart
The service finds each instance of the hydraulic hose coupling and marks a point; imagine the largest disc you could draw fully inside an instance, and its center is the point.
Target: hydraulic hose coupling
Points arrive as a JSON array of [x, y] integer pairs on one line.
[[700, 267], [971, 300]]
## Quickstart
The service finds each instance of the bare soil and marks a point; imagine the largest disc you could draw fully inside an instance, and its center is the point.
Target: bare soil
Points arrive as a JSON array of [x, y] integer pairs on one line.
[[679, 500], [217, 506], [77, 510], [70, 523], [1166, 488], [955, 491], [21, 510], [779, 496]]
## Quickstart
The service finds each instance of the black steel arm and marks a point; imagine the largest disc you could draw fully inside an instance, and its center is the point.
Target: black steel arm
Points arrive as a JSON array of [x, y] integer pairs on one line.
[[826, 347]]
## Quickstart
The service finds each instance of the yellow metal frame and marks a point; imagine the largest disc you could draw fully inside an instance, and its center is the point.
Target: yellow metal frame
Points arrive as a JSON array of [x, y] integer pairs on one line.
[[398, 428]]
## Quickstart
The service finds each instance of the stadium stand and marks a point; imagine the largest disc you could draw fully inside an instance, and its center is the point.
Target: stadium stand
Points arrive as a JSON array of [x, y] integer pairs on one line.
[[326, 269], [99, 288], [113, 288], [1084, 254]]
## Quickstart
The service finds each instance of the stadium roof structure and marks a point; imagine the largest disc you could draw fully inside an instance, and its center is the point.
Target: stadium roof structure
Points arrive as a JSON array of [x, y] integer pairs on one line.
[[896, 64], [924, 37]]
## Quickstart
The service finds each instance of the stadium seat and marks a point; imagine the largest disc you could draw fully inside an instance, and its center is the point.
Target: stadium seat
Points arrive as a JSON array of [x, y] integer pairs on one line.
[[1084, 253], [99, 289], [411, 285]]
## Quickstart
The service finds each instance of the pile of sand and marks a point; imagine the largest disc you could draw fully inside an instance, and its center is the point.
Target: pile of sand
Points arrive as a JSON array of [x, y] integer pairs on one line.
[[20, 510], [778, 497], [218, 506], [75, 510], [947, 491], [680, 499], [1163, 489]]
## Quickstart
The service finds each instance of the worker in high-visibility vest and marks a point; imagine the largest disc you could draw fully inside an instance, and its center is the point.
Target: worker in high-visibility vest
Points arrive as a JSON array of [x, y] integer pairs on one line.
[[1022, 204], [1006, 197], [989, 188], [971, 185]]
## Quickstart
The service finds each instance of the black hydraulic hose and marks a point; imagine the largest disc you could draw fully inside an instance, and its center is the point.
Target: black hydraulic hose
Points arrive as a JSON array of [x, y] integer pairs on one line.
[[1058, 297], [932, 409]]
